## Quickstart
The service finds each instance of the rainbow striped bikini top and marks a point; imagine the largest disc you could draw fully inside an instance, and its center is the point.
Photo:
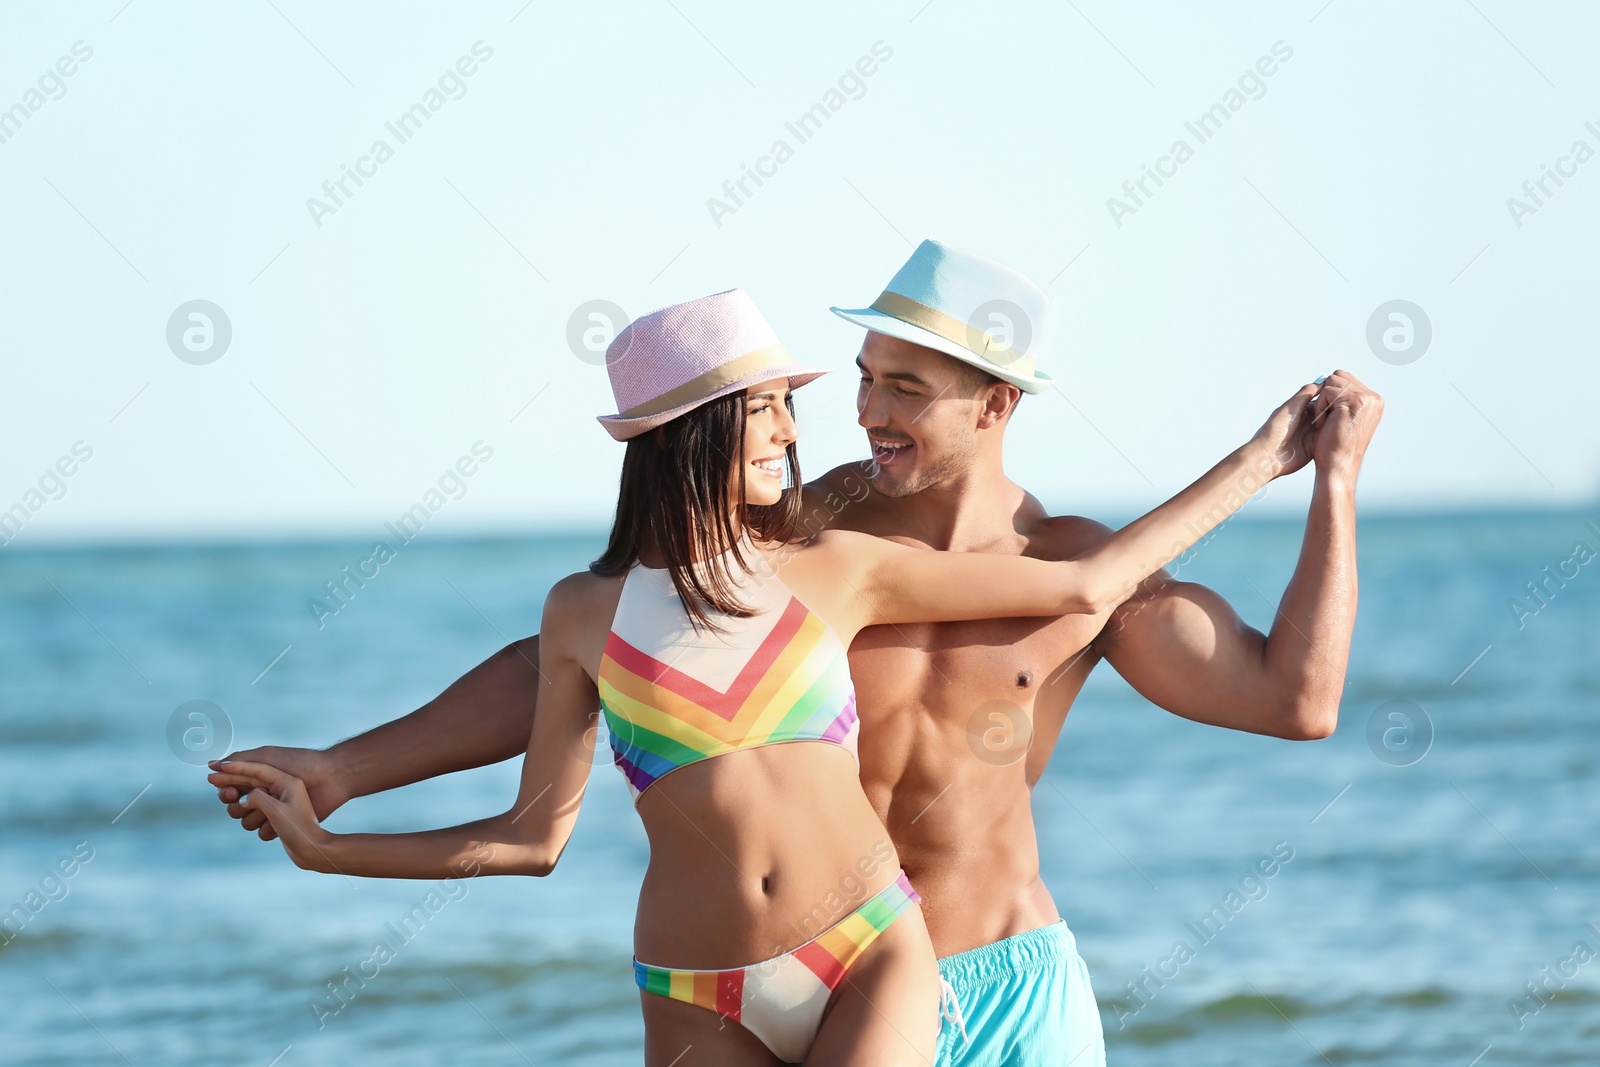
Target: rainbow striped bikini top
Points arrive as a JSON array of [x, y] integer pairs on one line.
[[672, 697]]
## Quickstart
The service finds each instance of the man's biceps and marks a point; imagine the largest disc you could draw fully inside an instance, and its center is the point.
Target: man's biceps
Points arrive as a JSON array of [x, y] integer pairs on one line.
[[1183, 602], [1162, 629]]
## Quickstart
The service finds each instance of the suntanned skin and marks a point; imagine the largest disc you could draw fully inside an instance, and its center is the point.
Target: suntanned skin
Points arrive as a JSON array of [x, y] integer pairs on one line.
[[949, 782], [744, 845]]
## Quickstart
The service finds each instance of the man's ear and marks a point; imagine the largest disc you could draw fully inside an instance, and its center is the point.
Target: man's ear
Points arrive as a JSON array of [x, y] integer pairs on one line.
[[998, 402]]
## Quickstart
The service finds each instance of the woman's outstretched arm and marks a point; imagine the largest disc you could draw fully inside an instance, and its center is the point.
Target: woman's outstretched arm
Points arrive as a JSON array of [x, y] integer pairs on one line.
[[528, 838], [890, 583], [483, 717]]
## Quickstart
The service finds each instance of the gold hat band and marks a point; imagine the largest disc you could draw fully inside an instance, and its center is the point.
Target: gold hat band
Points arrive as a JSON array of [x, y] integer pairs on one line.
[[974, 340], [703, 385]]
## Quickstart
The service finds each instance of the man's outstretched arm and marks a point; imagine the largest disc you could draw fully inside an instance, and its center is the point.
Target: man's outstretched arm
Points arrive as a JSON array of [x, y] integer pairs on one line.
[[1184, 648], [485, 716]]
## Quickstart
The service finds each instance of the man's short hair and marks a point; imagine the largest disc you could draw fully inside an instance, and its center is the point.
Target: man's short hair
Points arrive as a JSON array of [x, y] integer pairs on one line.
[[972, 378]]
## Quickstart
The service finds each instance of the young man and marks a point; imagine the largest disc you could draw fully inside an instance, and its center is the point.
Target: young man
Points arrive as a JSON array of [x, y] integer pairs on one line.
[[960, 719]]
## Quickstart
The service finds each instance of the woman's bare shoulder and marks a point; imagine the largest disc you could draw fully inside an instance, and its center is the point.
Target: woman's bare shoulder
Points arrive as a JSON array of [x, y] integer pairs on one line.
[[578, 613], [820, 538], [833, 542], [583, 596], [580, 585], [828, 555]]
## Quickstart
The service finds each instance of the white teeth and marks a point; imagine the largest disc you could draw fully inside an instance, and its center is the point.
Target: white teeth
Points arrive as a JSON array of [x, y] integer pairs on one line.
[[774, 466]]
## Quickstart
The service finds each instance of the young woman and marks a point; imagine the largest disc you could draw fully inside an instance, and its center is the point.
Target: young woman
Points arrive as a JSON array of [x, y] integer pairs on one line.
[[773, 896]]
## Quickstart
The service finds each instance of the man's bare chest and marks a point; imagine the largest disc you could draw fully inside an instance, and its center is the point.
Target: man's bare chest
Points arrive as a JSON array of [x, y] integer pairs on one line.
[[947, 666]]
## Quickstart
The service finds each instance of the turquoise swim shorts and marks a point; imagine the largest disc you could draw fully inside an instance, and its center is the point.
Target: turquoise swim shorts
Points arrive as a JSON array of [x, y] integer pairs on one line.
[[1021, 1002]]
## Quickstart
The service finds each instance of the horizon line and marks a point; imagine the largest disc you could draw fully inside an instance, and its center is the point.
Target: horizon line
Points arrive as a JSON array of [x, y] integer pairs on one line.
[[580, 529]]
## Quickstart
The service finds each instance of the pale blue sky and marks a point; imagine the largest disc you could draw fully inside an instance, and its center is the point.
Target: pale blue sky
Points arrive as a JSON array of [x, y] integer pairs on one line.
[[371, 351]]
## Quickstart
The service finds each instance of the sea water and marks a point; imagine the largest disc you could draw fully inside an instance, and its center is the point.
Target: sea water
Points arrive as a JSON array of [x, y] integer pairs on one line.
[[1434, 885]]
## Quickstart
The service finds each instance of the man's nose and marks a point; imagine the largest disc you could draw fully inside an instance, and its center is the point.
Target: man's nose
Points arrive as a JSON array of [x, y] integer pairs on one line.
[[871, 409]]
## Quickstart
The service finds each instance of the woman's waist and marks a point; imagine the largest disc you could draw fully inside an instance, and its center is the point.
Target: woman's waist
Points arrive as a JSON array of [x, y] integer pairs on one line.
[[756, 857], [700, 919]]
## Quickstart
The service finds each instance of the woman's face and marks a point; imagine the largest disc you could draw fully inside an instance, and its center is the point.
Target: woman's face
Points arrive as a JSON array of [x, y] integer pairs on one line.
[[769, 430]]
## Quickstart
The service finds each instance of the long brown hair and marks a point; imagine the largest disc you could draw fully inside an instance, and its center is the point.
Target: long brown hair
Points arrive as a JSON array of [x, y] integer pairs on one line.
[[675, 495]]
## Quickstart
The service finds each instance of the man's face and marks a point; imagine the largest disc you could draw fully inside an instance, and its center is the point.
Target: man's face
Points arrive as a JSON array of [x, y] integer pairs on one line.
[[914, 404]]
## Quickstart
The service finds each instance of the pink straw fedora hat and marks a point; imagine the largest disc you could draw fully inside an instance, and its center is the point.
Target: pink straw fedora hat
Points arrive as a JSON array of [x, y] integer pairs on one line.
[[673, 360]]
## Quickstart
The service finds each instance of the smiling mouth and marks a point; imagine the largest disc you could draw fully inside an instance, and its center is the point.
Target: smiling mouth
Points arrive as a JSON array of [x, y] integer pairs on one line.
[[772, 467], [886, 452]]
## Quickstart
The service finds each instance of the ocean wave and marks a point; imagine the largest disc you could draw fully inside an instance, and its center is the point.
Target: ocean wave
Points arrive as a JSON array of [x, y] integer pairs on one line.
[[1246, 1009]]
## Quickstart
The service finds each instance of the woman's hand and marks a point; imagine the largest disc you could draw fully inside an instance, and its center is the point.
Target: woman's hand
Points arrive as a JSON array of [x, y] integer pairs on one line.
[[314, 767], [1284, 443], [283, 799]]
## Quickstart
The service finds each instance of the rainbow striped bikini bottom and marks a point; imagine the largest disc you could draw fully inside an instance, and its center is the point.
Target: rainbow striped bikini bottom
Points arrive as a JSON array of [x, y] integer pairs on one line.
[[782, 1000]]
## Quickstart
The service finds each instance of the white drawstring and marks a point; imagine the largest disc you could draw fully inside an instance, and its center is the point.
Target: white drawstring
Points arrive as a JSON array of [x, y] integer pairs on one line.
[[950, 1008]]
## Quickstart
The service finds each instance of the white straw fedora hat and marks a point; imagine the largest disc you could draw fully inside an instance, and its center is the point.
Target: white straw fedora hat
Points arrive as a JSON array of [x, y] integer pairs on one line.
[[967, 307], [675, 359]]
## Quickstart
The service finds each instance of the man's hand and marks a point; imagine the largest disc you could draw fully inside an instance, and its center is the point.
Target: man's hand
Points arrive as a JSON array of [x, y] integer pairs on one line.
[[283, 799], [311, 766], [1347, 415]]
